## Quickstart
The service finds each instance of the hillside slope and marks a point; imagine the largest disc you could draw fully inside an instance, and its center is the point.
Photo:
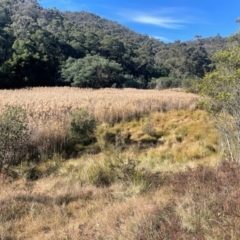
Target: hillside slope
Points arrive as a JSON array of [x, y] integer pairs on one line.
[[40, 46]]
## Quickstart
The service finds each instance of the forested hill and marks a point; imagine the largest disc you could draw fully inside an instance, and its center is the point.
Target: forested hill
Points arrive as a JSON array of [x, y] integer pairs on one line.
[[46, 47]]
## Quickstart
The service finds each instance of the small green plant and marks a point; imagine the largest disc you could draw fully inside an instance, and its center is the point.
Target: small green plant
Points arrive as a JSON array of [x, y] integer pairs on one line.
[[101, 175], [14, 136], [82, 126], [148, 127]]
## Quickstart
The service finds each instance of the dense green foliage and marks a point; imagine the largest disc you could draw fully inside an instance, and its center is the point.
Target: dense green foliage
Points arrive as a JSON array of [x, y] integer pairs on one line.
[[92, 71], [222, 84], [222, 91], [40, 47]]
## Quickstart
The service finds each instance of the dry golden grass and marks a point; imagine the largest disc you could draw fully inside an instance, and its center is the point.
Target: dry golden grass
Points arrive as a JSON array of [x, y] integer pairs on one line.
[[49, 109], [46, 105], [160, 140], [198, 203], [145, 184], [129, 193], [53, 208]]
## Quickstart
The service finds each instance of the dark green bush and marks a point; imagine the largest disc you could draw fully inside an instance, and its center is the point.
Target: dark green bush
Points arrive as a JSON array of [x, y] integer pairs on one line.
[[165, 82], [82, 126], [14, 136]]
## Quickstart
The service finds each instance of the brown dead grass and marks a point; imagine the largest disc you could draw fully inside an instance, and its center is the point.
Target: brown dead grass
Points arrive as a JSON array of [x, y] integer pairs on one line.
[[47, 105], [198, 203], [166, 201], [48, 109]]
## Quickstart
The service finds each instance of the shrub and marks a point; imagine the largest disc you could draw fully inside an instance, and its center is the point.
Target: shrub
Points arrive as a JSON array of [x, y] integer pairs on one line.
[[130, 82], [14, 136], [148, 127], [221, 92], [164, 83], [82, 126], [191, 84], [101, 175]]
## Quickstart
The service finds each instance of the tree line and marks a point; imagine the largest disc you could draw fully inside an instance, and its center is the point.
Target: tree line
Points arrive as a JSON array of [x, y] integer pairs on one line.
[[47, 47]]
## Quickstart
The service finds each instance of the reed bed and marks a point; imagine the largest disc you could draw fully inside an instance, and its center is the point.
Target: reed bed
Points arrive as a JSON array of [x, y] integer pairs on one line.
[[48, 109], [51, 105]]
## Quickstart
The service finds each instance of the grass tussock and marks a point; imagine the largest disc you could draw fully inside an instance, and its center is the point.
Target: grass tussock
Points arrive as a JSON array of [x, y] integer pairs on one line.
[[205, 205], [159, 140], [198, 203], [128, 186]]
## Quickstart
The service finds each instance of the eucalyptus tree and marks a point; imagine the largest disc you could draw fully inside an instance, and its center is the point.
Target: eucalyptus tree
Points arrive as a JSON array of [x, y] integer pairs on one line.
[[91, 71]]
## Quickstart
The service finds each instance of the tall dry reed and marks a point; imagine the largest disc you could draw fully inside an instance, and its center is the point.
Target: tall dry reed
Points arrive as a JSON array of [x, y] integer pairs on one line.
[[107, 105], [48, 109]]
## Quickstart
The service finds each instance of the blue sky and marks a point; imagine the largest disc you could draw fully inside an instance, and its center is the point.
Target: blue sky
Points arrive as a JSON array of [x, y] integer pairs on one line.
[[167, 20]]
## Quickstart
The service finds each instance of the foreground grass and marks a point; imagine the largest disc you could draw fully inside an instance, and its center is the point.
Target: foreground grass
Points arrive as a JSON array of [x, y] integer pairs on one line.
[[198, 203], [156, 177]]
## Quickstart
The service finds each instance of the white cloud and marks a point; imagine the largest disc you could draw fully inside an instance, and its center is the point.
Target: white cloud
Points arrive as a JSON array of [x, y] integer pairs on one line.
[[165, 22], [170, 18]]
